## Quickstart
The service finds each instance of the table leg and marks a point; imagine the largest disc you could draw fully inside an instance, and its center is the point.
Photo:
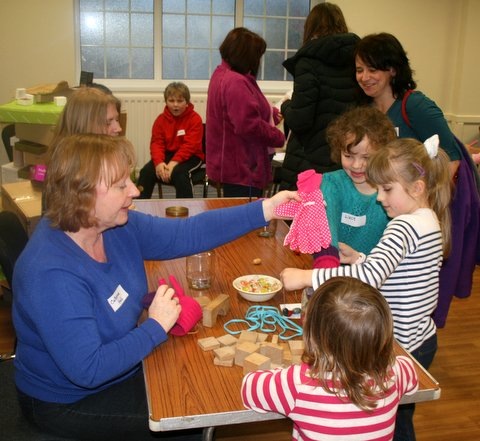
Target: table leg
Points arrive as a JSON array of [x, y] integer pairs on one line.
[[208, 434]]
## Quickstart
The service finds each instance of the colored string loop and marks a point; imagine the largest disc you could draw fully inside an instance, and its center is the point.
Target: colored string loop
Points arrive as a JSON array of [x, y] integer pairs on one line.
[[267, 319]]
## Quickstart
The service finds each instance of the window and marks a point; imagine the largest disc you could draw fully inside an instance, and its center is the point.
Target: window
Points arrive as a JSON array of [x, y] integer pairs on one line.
[[179, 39]]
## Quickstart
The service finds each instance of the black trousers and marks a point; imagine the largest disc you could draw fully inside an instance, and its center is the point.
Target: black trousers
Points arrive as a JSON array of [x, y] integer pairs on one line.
[[182, 177], [118, 413]]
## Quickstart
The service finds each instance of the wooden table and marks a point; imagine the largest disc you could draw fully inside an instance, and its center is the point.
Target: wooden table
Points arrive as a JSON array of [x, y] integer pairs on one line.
[[185, 389]]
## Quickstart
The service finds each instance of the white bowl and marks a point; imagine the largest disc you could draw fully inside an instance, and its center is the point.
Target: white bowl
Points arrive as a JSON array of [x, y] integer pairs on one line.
[[246, 286]]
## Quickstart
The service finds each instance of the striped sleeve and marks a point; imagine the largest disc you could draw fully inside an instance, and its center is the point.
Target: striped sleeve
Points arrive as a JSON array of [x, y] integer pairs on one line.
[[272, 390], [407, 379], [398, 240]]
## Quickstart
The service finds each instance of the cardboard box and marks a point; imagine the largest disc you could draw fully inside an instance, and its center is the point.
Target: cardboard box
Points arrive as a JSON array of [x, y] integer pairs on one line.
[[10, 173], [39, 133], [25, 200]]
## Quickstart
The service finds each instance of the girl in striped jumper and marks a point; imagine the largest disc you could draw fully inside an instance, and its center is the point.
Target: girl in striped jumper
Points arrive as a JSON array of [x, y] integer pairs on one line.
[[413, 185], [349, 383]]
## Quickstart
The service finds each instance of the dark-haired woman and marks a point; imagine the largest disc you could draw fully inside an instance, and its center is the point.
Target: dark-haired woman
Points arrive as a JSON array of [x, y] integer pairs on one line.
[[324, 87], [383, 72], [240, 123]]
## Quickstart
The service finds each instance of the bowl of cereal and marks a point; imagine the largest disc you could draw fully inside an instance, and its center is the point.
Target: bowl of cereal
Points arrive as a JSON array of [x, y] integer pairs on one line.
[[257, 287]]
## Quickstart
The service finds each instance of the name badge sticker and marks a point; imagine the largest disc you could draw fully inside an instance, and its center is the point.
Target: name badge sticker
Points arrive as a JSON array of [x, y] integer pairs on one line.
[[117, 299], [181, 132], [353, 221]]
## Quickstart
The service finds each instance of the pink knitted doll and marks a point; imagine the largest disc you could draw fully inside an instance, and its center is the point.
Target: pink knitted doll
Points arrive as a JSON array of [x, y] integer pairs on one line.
[[309, 232]]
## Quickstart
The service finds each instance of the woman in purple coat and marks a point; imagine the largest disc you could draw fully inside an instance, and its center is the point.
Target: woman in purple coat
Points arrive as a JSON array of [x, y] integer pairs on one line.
[[240, 123]]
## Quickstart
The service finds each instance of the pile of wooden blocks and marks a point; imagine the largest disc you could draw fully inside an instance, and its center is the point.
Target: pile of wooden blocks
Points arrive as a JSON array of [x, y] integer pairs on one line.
[[252, 351]]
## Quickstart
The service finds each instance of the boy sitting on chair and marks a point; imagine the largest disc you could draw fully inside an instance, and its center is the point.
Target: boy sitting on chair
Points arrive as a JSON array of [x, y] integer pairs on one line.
[[176, 145]]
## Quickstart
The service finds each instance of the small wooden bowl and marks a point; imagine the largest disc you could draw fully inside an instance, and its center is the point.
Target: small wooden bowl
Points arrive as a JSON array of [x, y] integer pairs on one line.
[[176, 211]]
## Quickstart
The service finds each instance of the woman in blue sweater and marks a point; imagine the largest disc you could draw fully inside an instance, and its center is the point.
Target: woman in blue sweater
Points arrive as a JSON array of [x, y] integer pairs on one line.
[[78, 289]]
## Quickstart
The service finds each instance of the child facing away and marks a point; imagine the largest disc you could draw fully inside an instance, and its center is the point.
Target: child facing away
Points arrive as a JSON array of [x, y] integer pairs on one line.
[[349, 383], [355, 217], [176, 145], [413, 184]]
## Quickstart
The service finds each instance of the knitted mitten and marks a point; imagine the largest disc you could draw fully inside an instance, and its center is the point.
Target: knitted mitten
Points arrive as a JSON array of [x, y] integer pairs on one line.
[[326, 258]]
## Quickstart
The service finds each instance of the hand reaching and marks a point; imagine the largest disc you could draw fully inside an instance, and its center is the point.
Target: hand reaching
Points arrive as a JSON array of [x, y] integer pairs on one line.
[[295, 278], [277, 199], [347, 254]]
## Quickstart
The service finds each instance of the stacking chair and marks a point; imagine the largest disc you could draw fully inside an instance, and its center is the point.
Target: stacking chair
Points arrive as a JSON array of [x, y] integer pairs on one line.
[[7, 132], [199, 176], [13, 239]]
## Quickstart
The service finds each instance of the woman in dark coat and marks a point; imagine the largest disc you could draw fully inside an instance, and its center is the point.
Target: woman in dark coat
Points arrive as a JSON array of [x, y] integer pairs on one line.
[[324, 87]]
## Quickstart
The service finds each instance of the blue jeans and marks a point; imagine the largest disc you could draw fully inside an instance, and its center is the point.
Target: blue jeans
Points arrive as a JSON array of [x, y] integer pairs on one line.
[[118, 413], [404, 430]]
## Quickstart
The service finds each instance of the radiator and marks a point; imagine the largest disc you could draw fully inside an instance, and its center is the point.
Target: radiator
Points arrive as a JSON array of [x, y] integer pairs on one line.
[[141, 113]]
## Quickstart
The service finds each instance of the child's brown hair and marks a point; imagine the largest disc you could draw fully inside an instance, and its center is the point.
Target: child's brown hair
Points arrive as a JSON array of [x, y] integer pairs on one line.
[[177, 88], [348, 334], [359, 122]]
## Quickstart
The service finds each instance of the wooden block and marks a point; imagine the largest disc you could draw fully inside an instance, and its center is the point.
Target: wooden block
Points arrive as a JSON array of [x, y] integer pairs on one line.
[[254, 362], [261, 337], [224, 353], [219, 305], [244, 349], [226, 363], [287, 355], [250, 336], [275, 339], [202, 301], [272, 351], [227, 340], [296, 347], [208, 343]]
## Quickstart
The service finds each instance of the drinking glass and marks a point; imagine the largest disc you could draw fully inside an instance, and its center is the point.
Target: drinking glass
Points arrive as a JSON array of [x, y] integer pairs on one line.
[[200, 269]]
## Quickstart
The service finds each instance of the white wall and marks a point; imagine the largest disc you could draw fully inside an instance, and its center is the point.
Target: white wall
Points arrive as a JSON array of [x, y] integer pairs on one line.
[[37, 44]]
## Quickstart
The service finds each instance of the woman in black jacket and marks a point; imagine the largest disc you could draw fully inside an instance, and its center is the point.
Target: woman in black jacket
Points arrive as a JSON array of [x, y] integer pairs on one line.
[[323, 70]]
